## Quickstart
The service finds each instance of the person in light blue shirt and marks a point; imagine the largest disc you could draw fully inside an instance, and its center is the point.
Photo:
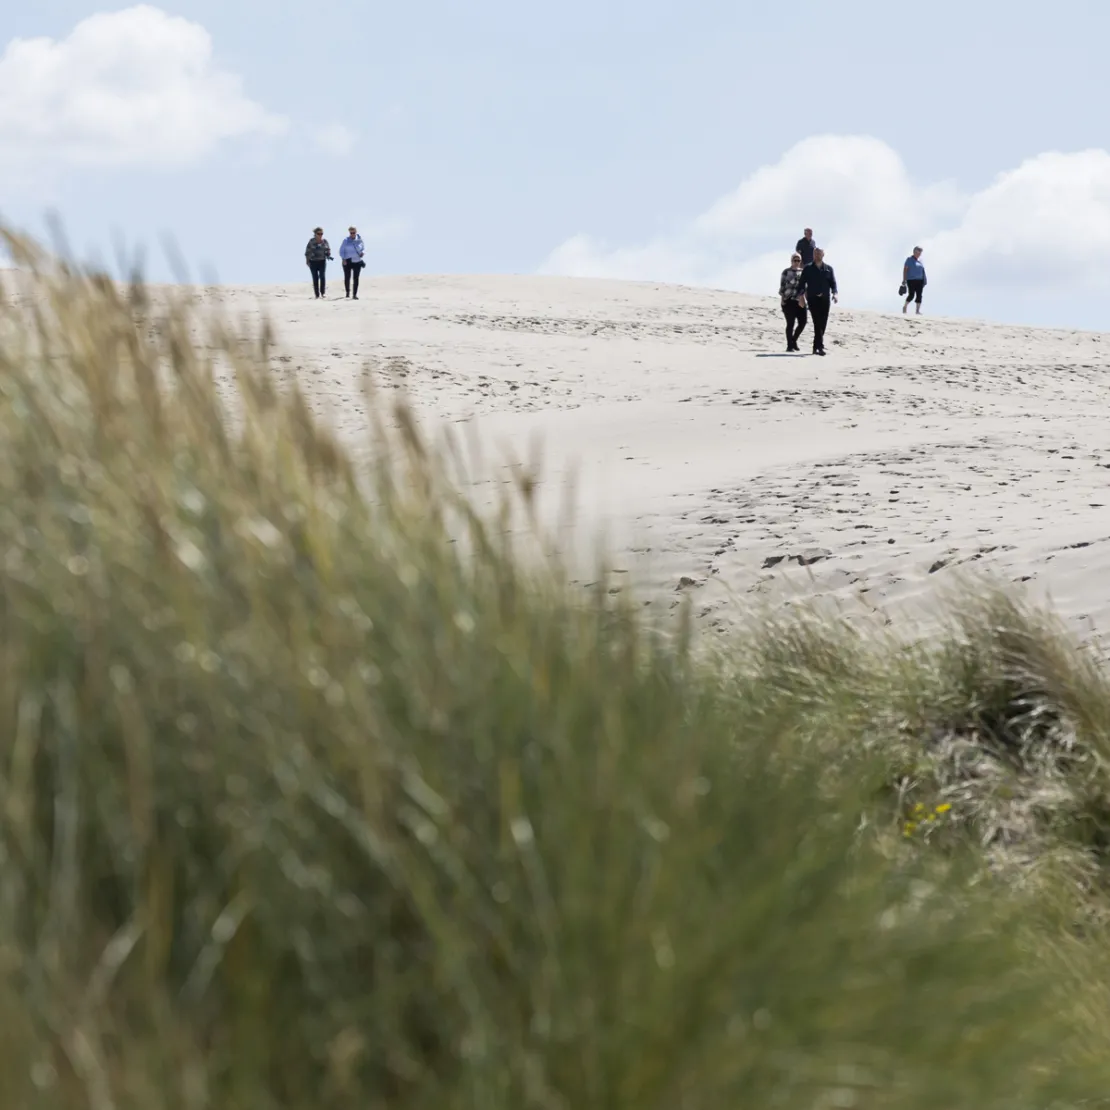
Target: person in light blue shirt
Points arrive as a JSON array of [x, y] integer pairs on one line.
[[351, 251], [913, 278]]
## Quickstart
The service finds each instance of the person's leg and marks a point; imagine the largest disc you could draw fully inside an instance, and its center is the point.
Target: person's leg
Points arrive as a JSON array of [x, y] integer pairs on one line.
[[819, 310], [323, 278], [918, 289], [801, 318], [314, 268], [788, 312], [347, 276], [356, 268]]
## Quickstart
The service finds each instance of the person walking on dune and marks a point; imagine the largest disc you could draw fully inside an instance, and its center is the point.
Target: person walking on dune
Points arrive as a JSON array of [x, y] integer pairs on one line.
[[351, 251], [793, 309], [914, 280], [317, 255], [805, 246], [817, 288]]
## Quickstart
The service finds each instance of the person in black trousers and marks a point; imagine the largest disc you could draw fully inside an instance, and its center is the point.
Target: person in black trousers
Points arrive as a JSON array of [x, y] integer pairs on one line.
[[817, 288], [317, 255], [913, 278], [794, 312], [805, 246], [351, 251]]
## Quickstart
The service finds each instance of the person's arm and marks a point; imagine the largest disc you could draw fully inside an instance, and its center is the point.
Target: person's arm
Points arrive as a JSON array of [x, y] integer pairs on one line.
[[327, 248], [832, 283], [782, 286], [906, 270], [800, 288]]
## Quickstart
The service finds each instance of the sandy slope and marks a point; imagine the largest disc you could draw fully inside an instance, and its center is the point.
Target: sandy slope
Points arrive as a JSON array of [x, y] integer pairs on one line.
[[916, 449]]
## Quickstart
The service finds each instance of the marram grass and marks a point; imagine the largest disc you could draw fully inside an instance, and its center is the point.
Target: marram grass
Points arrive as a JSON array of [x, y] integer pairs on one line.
[[314, 794]]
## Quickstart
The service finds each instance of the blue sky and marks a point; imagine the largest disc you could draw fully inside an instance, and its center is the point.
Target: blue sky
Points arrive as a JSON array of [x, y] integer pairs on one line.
[[666, 141]]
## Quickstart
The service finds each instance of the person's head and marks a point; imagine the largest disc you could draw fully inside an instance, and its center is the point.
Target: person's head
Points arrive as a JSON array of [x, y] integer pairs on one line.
[[795, 260], [818, 254], [917, 252], [353, 231], [809, 233], [318, 232]]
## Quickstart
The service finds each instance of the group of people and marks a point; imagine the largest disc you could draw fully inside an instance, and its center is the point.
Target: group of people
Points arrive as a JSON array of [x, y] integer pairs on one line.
[[317, 255], [808, 287]]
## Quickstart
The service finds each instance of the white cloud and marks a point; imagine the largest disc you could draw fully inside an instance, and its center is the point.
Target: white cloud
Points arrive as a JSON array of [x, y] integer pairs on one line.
[[1037, 225], [127, 88], [1028, 230], [336, 139]]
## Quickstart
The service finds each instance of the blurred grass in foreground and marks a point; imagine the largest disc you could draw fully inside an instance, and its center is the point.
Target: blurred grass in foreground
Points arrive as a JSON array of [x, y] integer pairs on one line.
[[300, 806]]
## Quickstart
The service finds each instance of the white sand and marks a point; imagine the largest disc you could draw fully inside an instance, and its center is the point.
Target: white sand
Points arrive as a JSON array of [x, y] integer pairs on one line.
[[917, 449]]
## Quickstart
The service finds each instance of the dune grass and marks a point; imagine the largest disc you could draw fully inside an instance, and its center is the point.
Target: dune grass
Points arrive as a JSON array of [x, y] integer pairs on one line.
[[314, 793]]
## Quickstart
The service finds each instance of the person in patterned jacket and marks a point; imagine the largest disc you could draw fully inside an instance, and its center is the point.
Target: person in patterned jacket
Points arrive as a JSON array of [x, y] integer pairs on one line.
[[793, 309], [317, 255]]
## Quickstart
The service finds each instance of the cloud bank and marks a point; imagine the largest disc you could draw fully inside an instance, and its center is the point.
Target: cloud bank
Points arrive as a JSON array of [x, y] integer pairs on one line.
[[135, 87], [1040, 229]]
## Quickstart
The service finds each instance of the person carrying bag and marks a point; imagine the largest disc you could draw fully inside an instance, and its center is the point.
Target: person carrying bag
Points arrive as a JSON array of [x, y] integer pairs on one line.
[[317, 255], [351, 251], [913, 280]]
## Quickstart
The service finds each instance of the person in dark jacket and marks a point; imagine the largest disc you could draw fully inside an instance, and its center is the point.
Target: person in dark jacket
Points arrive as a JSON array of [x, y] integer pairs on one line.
[[794, 312], [817, 289], [317, 255], [805, 246]]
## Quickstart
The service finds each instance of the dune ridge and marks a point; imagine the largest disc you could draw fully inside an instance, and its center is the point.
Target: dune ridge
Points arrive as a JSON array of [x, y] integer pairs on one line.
[[919, 450]]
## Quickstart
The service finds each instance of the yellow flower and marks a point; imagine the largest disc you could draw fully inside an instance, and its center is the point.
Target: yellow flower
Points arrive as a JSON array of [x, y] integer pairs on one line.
[[944, 807]]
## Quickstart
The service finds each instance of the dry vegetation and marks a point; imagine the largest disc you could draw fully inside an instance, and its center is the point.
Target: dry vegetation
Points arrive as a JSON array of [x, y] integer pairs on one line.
[[302, 806]]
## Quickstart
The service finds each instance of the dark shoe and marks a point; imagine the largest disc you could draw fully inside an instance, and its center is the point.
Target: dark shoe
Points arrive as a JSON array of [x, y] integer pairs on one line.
[[821, 352]]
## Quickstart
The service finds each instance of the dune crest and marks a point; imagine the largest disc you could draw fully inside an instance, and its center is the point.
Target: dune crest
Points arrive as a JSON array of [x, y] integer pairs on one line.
[[919, 449]]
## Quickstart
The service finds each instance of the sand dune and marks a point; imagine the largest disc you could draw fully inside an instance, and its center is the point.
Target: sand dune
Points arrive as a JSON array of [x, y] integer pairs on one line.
[[917, 450]]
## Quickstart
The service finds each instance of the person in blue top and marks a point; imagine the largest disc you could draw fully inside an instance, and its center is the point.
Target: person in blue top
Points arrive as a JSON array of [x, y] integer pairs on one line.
[[913, 277], [351, 251]]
